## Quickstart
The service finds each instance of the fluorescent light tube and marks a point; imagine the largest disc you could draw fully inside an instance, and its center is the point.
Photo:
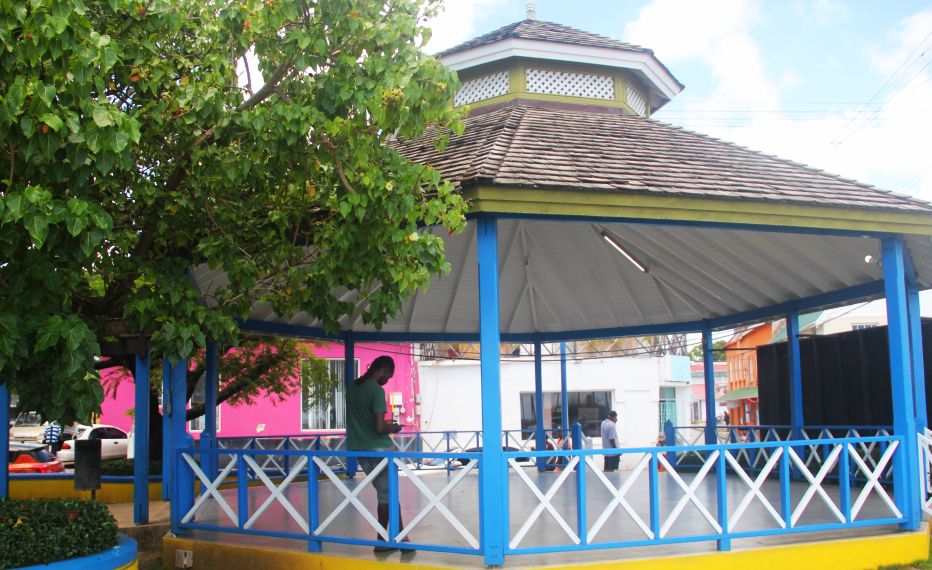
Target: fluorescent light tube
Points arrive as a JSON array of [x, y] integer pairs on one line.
[[618, 247]]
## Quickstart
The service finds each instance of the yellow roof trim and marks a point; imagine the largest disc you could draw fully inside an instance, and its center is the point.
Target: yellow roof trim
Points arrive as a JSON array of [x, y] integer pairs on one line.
[[531, 201]]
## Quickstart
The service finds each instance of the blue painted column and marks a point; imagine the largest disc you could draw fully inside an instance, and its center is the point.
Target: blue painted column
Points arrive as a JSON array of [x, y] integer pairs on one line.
[[4, 441], [905, 470], [915, 348], [564, 399], [181, 497], [708, 375], [540, 437], [492, 473], [211, 381], [795, 372], [349, 374], [166, 430], [141, 441]]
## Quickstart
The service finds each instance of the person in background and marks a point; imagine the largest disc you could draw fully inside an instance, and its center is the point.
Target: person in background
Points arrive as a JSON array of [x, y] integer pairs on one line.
[[368, 430], [610, 440], [52, 436]]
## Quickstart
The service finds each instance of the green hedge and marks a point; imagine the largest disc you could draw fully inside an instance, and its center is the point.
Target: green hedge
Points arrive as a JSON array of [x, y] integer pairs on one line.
[[41, 531], [125, 467]]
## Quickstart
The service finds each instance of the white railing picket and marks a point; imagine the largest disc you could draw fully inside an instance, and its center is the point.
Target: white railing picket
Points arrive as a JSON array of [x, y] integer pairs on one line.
[[873, 480], [434, 502], [277, 492], [755, 489], [544, 501], [815, 484], [210, 490], [351, 497], [618, 496], [689, 493]]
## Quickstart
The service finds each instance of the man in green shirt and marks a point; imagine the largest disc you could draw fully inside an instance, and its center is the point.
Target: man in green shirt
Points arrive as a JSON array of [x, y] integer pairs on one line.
[[368, 430]]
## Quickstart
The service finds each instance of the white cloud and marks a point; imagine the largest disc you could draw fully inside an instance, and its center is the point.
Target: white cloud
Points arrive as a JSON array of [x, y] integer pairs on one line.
[[456, 23], [821, 12], [886, 146]]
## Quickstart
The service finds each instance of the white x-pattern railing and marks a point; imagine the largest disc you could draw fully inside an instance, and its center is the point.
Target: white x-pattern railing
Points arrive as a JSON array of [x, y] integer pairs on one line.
[[301, 462], [783, 465]]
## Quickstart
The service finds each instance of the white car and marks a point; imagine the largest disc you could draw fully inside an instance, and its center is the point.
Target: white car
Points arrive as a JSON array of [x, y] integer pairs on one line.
[[113, 442], [29, 427]]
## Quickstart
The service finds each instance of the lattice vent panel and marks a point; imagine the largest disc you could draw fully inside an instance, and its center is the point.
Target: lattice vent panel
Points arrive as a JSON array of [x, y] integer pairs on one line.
[[484, 87], [636, 101], [571, 84]]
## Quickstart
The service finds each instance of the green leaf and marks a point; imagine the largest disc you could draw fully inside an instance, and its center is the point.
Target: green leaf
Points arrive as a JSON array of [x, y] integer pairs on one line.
[[53, 121], [102, 117], [75, 224], [38, 227]]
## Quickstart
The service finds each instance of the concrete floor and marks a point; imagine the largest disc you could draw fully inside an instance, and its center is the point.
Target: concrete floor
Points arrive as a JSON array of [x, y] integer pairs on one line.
[[462, 501]]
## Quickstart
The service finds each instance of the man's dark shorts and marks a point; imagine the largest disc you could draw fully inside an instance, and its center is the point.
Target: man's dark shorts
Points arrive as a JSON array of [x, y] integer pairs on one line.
[[611, 462], [380, 481]]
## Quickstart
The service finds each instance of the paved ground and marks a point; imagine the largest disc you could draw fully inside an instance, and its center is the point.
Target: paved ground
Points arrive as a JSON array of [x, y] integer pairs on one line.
[[148, 536]]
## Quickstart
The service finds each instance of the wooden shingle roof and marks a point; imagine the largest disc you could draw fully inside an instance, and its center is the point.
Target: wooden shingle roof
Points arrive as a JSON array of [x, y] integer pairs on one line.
[[546, 32], [533, 146]]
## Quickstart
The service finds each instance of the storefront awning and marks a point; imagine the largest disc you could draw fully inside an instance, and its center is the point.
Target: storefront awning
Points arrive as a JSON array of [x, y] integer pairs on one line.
[[740, 394]]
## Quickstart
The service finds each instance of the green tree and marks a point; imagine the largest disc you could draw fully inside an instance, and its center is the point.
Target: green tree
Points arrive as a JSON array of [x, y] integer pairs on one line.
[[141, 138], [718, 355]]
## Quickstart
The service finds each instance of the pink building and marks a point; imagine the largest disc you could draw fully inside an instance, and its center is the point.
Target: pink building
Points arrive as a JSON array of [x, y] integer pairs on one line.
[[292, 416]]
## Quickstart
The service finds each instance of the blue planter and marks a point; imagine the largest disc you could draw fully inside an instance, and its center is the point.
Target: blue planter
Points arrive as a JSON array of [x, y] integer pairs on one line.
[[120, 556]]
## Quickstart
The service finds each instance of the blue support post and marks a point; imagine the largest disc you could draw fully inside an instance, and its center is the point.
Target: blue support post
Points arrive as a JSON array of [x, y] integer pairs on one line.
[[786, 497], [349, 375], [708, 373], [242, 491], [795, 376], [540, 438], [669, 438], [209, 435], [183, 491], [4, 441], [181, 481], [313, 504], [394, 506], [141, 442], [915, 349], [564, 398], [166, 431], [581, 498], [905, 470], [721, 493], [844, 483], [491, 471], [654, 494]]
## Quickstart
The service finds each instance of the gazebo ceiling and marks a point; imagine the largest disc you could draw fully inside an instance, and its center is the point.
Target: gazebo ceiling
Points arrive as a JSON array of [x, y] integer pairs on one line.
[[566, 277]]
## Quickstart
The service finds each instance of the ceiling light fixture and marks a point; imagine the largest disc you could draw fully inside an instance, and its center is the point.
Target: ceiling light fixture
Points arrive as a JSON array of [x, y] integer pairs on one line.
[[618, 247]]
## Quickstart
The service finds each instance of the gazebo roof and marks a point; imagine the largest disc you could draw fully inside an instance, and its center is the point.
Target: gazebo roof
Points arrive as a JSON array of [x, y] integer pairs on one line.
[[546, 32], [593, 149]]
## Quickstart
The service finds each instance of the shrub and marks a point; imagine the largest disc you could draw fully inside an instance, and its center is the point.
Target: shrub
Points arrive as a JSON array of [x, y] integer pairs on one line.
[[125, 467], [41, 531]]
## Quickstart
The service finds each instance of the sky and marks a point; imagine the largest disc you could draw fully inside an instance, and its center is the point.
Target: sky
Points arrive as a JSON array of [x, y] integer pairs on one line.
[[844, 86]]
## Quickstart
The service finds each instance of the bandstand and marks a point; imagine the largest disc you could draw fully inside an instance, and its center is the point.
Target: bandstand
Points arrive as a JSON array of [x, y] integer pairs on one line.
[[590, 219]]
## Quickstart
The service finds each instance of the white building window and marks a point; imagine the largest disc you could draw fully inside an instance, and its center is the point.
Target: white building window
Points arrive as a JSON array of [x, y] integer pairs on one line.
[[329, 413], [587, 408]]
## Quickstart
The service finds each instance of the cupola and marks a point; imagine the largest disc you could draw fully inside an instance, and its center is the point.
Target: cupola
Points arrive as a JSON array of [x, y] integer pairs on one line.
[[544, 61]]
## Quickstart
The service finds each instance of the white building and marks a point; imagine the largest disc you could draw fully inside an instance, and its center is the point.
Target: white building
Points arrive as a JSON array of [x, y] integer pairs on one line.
[[643, 390]]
